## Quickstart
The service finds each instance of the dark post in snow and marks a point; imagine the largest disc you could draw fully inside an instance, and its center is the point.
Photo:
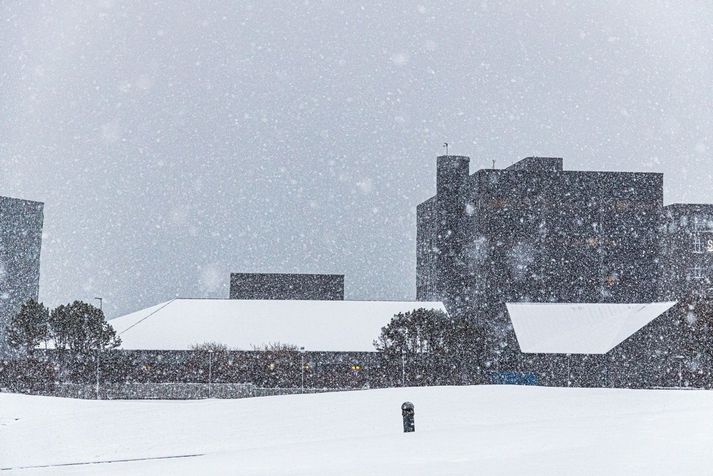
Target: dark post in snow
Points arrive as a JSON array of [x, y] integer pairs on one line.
[[210, 372], [407, 412], [100, 344]]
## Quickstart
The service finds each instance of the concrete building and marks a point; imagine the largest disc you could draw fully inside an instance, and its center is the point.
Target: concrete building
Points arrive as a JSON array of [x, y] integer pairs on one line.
[[286, 286], [20, 245], [686, 250], [535, 232]]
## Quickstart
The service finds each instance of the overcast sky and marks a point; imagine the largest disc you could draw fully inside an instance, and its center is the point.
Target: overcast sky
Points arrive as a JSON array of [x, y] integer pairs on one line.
[[174, 142]]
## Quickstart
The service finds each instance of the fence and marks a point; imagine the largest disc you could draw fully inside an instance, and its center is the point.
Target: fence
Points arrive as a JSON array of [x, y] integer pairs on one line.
[[237, 374], [172, 391], [189, 374]]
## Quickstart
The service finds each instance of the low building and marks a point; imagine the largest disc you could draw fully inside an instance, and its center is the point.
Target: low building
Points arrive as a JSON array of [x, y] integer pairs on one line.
[[286, 286], [645, 345]]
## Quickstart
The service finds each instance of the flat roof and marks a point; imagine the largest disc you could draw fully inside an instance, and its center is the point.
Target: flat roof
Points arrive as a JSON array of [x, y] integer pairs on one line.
[[338, 326], [579, 328]]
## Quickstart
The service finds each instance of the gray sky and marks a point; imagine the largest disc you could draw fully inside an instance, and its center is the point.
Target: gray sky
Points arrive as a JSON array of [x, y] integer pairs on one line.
[[174, 142]]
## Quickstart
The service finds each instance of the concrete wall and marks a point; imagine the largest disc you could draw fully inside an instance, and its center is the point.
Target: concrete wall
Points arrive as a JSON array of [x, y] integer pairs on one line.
[[20, 245], [328, 287]]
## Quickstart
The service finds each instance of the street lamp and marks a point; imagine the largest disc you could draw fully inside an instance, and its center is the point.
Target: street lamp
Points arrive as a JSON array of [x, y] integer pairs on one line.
[[210, 370], [368, 364], [680, 369], [403, 368], [99, 341], [302, 367]]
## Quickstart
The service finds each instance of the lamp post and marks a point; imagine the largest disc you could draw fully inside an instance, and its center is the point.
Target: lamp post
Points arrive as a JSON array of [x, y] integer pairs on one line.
[[403, 368], [368, 364], [99, 341], [680, 369], [210, 371], [302, 367]]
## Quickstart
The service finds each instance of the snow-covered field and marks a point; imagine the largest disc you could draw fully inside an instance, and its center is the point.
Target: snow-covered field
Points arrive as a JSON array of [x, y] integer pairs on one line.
[[459, 430]]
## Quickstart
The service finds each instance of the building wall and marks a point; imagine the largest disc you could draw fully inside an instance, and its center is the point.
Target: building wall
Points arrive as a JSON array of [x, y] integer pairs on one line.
[[686, 240], [452, 232], [20, 245], [327, 287], [568, 236], [426, 263], [533, 232]]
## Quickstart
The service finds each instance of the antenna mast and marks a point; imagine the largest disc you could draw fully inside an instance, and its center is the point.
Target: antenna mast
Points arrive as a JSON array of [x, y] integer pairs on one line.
[[445, 144]]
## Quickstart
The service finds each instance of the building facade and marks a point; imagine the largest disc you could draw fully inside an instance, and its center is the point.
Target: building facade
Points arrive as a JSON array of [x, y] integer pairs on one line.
[[535, 232], [326, 287], [686, 250], [20, 245]]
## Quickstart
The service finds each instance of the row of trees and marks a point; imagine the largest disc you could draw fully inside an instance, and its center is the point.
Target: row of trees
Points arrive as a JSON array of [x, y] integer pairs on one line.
[[78, 326]]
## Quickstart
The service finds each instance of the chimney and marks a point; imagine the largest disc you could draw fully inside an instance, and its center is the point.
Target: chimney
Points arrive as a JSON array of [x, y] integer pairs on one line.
[[451, 173]]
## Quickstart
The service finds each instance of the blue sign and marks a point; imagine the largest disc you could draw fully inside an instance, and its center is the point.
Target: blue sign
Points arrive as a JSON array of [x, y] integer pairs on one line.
[[512, 378]]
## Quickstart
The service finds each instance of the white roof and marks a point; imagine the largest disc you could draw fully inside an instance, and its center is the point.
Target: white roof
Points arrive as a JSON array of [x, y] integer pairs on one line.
[[579, 328], [239, 324]]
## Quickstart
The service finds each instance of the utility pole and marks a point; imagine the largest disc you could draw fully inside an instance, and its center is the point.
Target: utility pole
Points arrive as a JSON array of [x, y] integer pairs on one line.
[[99, 342], [210, 370]]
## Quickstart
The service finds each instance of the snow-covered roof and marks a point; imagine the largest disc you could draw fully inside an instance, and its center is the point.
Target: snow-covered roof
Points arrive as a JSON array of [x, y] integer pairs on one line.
[[239, 324], [579, 328]]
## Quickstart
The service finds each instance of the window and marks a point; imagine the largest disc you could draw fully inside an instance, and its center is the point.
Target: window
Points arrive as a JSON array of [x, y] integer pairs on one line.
[[697, 243], [695, 272], [698, 224]]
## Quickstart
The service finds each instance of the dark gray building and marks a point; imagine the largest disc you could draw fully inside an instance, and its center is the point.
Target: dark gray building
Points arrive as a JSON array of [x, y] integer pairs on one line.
[[327, 287], [535, 232], [686, 250], [20, 245]]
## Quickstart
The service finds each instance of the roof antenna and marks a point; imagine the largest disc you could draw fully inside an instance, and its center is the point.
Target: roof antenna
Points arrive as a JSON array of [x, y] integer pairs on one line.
[[445, 144], [493, 164]]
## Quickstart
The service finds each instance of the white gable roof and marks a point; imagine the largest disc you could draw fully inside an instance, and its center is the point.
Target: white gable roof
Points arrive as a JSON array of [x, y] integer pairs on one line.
[[239, 324], [579, 328]]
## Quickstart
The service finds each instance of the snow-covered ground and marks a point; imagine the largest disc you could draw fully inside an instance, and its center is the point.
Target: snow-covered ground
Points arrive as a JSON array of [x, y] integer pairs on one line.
[[459, 430]]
